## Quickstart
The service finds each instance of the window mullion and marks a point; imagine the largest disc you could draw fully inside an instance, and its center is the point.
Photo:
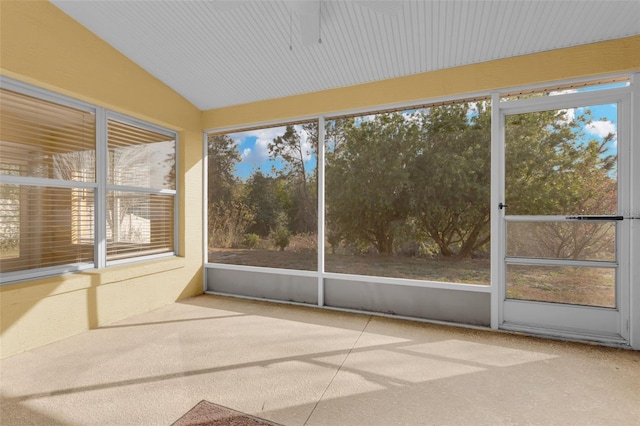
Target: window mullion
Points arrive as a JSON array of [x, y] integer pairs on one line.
[[102, 158], [321, 211]]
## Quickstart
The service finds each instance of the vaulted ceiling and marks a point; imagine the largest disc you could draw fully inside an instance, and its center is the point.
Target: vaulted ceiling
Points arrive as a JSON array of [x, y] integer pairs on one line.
[[222, 53]]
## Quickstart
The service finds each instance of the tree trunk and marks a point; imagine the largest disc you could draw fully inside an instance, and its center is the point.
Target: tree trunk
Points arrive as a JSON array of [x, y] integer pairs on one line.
[[469, 245], [384, 242]]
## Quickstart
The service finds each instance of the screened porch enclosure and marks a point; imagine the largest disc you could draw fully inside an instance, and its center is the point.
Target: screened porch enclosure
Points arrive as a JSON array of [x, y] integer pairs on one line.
[[383, 169], [391, 212], [386, 232]]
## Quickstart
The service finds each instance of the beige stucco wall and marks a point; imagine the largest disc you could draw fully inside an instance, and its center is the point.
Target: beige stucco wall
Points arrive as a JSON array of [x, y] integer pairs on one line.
[[42, 46]]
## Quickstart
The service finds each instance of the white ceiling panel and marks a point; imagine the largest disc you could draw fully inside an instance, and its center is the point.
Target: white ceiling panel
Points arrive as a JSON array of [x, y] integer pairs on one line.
[[222, 53]]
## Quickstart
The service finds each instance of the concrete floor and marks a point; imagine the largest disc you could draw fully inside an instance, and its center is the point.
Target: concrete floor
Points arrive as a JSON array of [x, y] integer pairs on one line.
[[296, 366]]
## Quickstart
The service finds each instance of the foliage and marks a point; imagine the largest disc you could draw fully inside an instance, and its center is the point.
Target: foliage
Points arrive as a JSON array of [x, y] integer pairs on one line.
[[295, 152], [251, 240], [269, 199], [281, 238], [417, 184], [222, 157], [229, 214], [450, 178], [281, 235], [334, 238], [367, 180], [431, 170], [552, 168], [9, 219]]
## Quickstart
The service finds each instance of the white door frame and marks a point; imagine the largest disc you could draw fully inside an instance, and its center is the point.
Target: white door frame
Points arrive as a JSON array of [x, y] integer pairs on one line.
[[612, 325]]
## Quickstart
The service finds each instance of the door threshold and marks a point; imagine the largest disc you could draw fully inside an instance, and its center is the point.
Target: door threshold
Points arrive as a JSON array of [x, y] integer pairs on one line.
[[567, 335]]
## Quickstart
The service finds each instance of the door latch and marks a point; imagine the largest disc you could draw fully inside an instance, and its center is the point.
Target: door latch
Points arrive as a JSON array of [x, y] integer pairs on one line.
[[502, 206], [596, 217]]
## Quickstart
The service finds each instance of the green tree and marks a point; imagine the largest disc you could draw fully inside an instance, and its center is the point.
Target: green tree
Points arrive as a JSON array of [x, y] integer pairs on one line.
[[222, 159], [268, 198], [229, 214], [426, 176], [291, 149], [450, 178], [367, 186], [553, 168]]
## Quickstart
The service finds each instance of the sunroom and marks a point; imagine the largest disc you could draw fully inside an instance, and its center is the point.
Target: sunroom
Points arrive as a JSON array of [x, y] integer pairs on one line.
[[469, 163]]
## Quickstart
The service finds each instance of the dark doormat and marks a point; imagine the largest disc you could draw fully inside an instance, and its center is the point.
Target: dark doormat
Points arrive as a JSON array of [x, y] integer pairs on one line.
[[207, 413]]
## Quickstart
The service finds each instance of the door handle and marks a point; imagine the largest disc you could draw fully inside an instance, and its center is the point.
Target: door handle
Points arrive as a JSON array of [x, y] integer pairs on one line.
[[596, 217]]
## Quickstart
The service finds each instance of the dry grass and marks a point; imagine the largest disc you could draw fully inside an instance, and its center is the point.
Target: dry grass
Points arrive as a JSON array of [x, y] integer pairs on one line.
[[465, 271], [299, 260], [562, 284]]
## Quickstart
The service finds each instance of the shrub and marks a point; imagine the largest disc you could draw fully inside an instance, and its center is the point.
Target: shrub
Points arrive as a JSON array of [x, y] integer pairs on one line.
[[281, 238], [251, 240], [334, 239]]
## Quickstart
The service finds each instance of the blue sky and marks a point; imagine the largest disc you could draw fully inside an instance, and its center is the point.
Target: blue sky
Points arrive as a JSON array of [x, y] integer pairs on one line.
[[604, 121], [605, 117], [254, 150], [253, 145]]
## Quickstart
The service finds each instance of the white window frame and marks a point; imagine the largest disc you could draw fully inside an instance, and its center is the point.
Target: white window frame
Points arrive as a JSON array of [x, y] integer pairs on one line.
[[100, 186]]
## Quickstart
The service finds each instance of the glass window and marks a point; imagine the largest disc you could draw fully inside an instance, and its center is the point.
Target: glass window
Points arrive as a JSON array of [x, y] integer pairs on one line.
[[262, 197], [49, 192], [138, 223], [43, 139], [140, 161], [44, 227], [140, 158], [407, 194]]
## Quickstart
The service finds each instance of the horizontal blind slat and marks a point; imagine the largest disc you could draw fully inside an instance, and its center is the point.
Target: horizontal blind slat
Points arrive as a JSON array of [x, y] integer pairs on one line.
[[39, 138], [144, 224], [45, 226]]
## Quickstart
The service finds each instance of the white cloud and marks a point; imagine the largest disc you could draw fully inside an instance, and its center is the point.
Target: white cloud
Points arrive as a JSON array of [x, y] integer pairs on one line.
[[259, 153], [365, 118], [601, 128], [414, 115], [307, 149], [269, 134], [562, 92], [569, 115]]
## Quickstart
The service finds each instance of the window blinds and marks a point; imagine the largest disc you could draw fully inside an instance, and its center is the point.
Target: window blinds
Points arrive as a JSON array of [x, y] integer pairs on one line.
[[46, 217], [141, 191]]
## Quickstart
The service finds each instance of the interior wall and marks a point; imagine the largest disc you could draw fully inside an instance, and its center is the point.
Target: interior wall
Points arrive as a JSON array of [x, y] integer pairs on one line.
[[42, 46]]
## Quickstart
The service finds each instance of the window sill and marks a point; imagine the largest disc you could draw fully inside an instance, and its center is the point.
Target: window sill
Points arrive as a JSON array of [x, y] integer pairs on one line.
[[66, 283]]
